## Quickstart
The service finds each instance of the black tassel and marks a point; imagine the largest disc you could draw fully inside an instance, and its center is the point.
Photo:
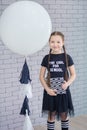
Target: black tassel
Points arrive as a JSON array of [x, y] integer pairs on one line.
[[25, 106], [25, 76]]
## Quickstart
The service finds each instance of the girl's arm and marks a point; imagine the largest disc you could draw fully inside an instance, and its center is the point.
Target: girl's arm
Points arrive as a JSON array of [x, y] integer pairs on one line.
[[71, 78], [43, 82], [72, 75]]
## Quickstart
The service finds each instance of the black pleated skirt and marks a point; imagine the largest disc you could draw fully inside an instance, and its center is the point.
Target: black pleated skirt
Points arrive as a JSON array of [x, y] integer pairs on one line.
[[59, 104]]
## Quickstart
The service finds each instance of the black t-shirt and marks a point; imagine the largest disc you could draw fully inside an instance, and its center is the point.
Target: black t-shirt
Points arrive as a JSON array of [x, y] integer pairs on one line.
[[57, 68], [57, 64]]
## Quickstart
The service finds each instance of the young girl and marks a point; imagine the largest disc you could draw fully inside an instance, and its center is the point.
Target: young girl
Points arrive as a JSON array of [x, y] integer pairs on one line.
[[61, 73]]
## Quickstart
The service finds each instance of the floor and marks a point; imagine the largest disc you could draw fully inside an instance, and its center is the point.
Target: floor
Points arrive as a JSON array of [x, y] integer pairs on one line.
[[76, 123]]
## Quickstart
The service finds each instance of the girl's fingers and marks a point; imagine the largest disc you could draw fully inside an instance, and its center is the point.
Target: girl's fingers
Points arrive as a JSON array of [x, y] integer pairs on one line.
[[55, 92], [64, 81]]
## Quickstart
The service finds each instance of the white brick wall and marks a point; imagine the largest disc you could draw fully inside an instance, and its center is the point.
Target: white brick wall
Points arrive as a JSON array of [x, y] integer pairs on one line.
[[68, 16]]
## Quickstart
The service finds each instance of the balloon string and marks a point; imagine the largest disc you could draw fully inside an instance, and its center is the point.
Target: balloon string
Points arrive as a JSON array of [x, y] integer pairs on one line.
[[25, 58]]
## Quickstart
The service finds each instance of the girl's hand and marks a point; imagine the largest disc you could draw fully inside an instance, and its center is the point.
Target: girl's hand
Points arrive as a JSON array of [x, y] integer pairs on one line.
[[52, 92], [64, 85]]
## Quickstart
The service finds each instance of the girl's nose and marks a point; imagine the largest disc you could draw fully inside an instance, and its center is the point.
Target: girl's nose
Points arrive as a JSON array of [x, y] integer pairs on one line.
[[55, 44]]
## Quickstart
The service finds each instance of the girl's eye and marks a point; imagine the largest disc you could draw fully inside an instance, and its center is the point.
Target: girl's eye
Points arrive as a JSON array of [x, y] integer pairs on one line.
[[52, 41]]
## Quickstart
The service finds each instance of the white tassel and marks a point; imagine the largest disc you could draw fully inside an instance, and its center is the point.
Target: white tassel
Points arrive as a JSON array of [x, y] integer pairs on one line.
[[27, 123], [28, 90]]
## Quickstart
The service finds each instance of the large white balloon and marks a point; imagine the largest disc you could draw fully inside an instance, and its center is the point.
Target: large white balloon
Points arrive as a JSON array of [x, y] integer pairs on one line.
[[25, 27]]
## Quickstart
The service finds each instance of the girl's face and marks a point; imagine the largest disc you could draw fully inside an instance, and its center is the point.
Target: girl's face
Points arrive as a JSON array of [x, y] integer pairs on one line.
[[56, 43]]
